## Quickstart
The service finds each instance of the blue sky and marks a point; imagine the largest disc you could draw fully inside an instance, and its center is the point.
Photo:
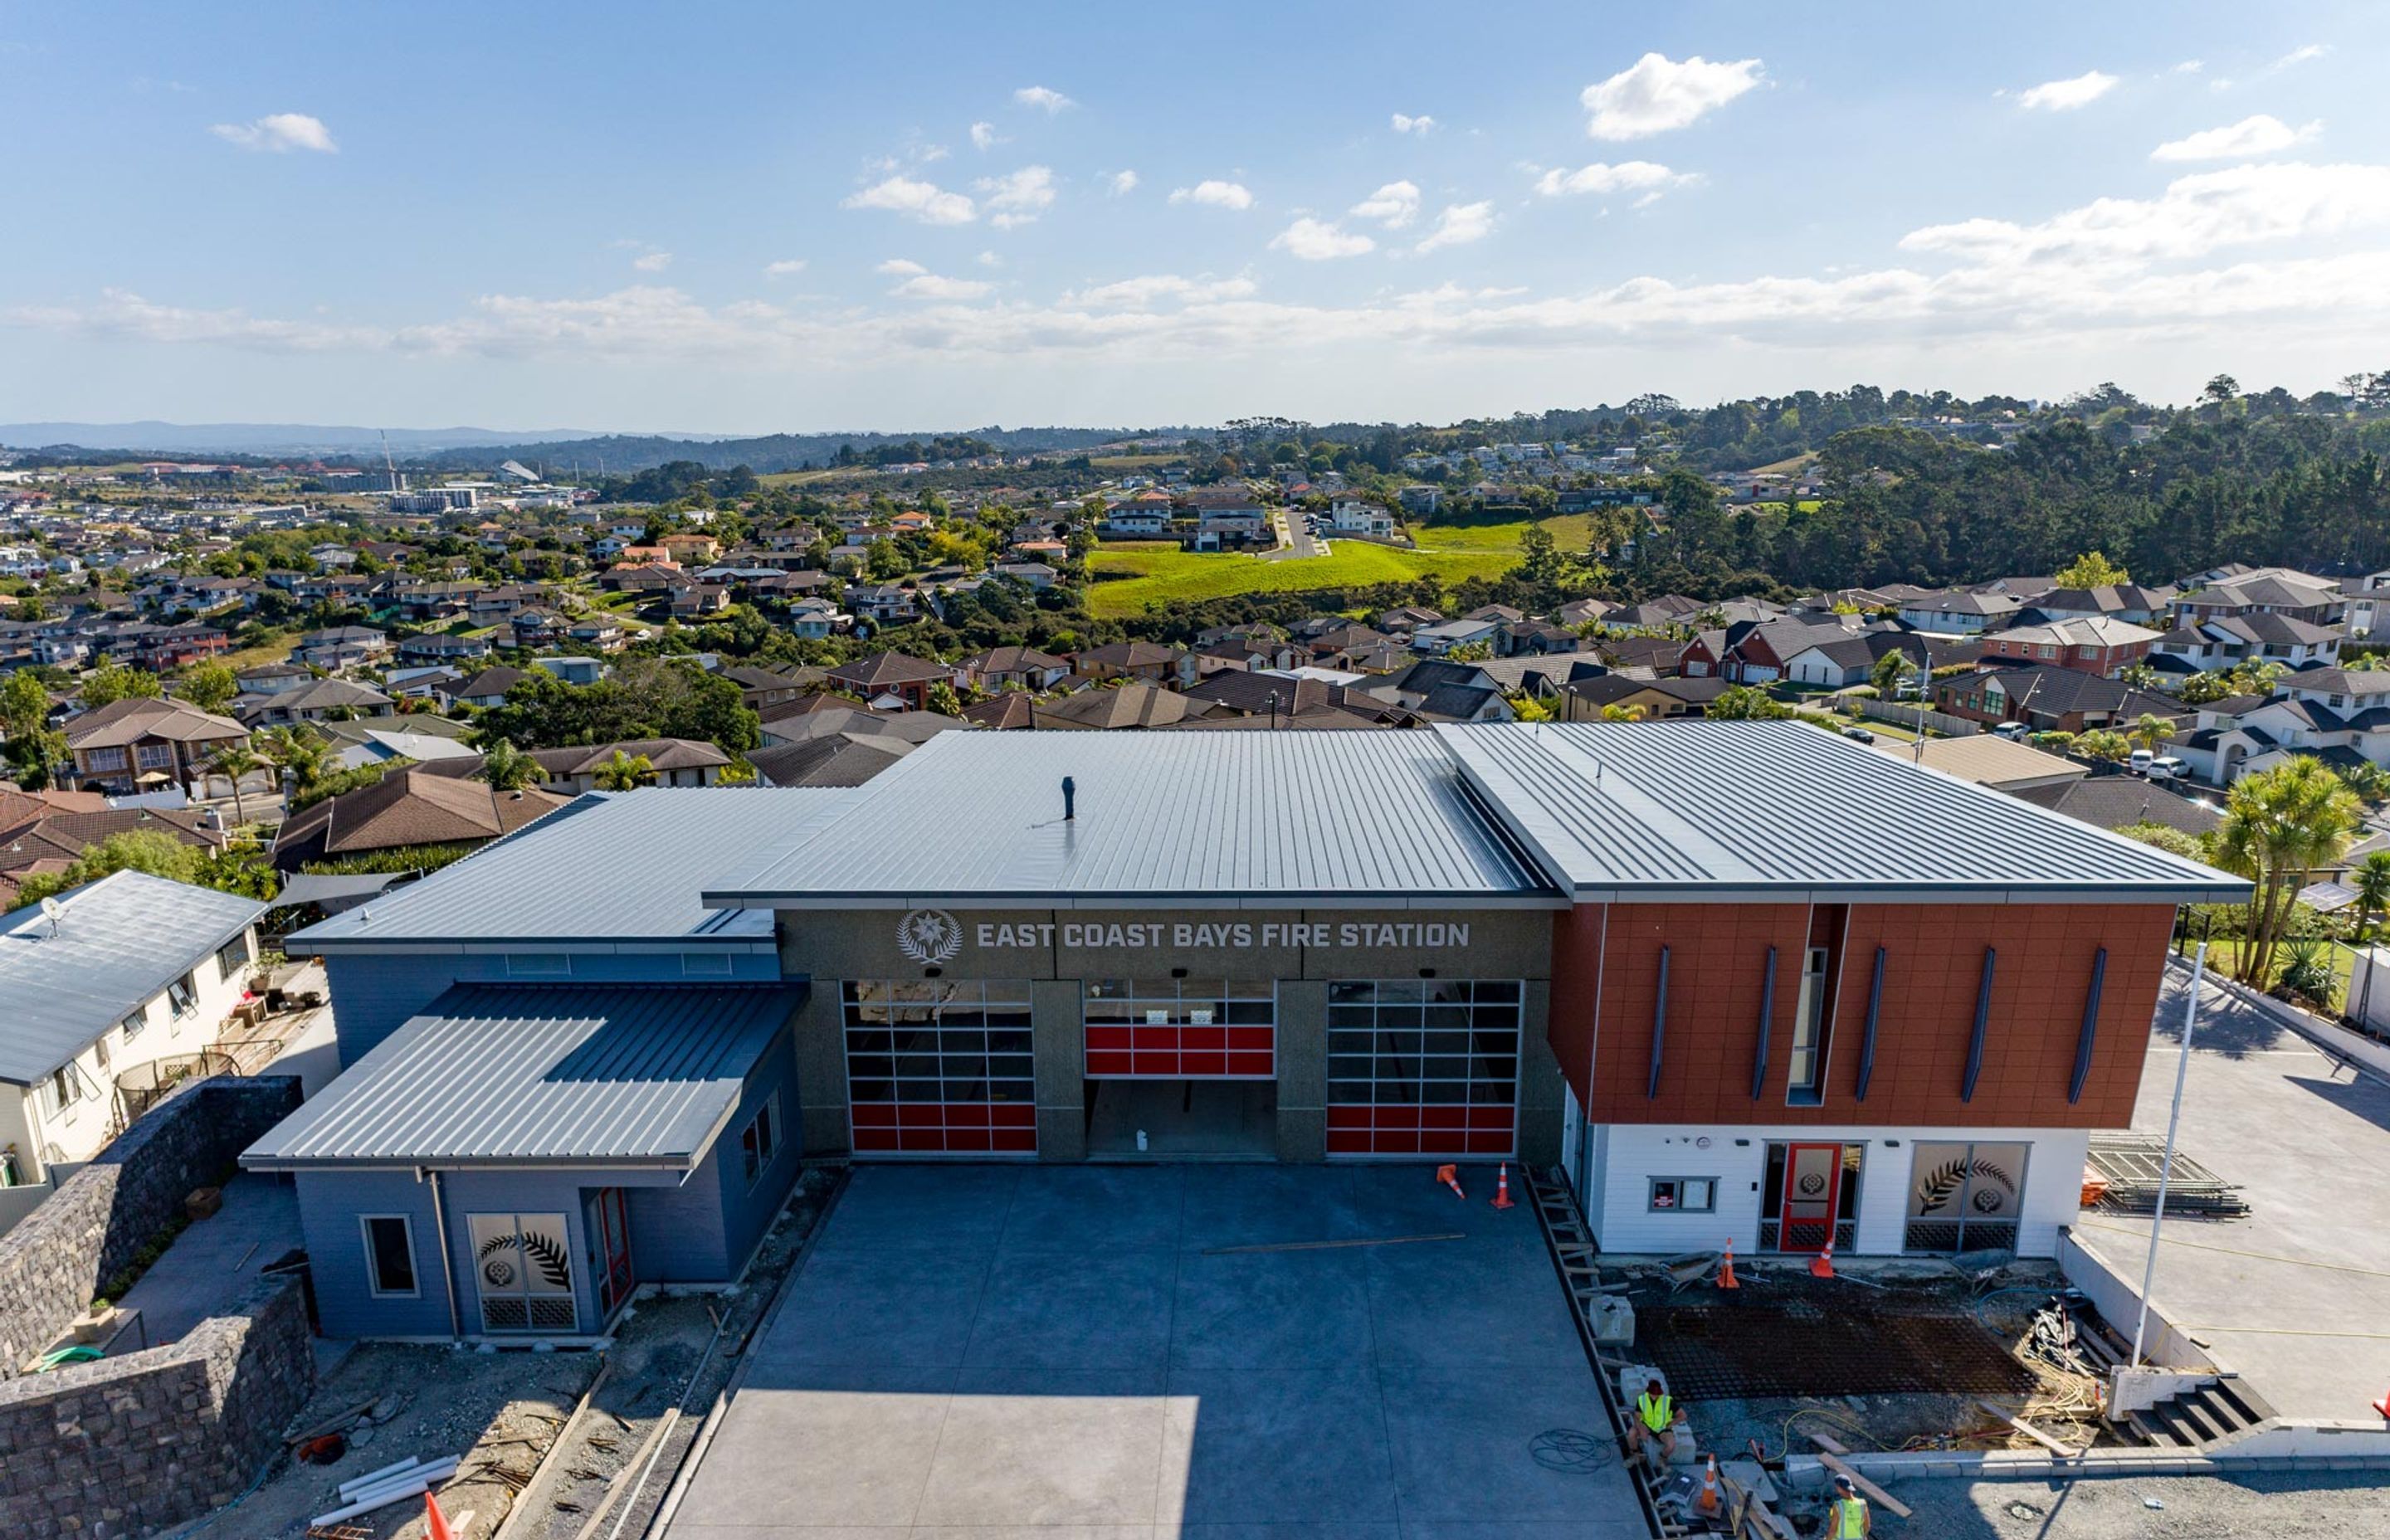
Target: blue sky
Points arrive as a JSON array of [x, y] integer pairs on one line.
[[748, 218]]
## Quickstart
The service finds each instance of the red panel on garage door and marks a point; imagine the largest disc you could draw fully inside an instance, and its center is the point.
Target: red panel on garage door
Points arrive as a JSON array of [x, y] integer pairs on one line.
[[1129, 1052]]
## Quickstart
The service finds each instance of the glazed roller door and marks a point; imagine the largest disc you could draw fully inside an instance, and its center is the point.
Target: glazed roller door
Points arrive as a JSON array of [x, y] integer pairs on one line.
[[1181, 1029], [938, 1067], [1424, 1067]]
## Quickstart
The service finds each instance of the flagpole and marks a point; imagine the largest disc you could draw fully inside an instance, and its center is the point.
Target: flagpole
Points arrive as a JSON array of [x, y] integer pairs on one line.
[[2173, 1122]]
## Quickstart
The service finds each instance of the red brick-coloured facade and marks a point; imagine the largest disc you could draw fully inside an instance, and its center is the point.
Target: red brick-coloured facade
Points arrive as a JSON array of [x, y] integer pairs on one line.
[[1605, 992]]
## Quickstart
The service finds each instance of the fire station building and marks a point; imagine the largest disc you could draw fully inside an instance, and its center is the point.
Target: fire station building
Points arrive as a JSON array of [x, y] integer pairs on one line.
[[1739, 980]]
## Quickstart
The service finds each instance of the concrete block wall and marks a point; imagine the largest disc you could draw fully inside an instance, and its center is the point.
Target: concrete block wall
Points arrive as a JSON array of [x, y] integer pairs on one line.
[[52, 1264], [131, 1445]]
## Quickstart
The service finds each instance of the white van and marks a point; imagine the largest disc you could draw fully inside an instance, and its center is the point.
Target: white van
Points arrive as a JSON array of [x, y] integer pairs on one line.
[[2168, 767], [2142, 761], [2014, 731]]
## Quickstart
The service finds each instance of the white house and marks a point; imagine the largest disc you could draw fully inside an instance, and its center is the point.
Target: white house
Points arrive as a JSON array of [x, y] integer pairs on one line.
[[1359, 516], [128, 971]]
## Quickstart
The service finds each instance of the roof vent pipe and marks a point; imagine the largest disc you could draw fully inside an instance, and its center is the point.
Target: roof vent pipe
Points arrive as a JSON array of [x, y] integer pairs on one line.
[[1069, 799]]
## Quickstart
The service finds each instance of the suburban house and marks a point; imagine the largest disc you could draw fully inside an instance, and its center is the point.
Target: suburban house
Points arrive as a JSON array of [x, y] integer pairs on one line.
[[1003, 667], [438, 647], [2049, 700], [127, 973], [1152, 662], [2115, 601], [901, 681], [342, 648], [139, 745], [675, 761], [1590, 697], [1443, 637], [1842, 661], [2200, 647], [1110, 707], [1958, 611], [1359, 516], [487, 688], [421, 807], [1452, 692], [2094, 645], [318, 701], [1225, 515], [2266, 591]]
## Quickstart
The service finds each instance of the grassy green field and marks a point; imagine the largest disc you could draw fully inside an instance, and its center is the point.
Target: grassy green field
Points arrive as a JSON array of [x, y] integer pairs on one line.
[[1160, 573]]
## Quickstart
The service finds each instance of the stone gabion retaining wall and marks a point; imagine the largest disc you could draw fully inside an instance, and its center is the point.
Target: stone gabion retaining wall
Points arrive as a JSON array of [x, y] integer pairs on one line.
[[88, 1231], [128, 1446]]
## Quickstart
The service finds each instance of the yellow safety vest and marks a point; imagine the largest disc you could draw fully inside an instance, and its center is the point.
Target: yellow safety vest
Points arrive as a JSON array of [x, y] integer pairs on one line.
[[1850, 1518], [1657, 1412]]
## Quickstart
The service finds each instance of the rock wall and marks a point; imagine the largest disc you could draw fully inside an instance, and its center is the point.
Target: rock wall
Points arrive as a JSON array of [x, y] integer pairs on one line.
[[128, 1446], [53, 1264]]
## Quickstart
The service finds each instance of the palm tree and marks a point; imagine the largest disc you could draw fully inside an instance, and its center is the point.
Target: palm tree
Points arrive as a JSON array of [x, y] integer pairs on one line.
[[300, 751], [232, 762], [623, 773], [2149, 729], [2372, 881], [506, 767], [1621, 714], [2278, 826]]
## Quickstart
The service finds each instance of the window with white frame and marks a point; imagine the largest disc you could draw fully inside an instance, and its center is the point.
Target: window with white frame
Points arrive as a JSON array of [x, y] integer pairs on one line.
[[99, 1052], [183, 996], [134, 1020], [390, 1255], [1682, 1195], [104, 759], [232, 956], [156, 756], [759, 1141], [65, 1089]]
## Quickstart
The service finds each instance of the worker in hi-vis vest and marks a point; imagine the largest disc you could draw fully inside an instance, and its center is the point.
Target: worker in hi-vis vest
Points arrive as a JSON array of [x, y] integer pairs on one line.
[[1847, 1517], [1655, 1420]]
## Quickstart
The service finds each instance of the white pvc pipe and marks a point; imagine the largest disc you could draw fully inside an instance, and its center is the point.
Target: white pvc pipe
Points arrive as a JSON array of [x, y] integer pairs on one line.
[[376, 1478], [413, 1483]]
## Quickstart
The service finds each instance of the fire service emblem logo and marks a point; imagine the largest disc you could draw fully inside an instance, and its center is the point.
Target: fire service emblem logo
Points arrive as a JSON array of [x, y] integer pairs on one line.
[[929, 936]]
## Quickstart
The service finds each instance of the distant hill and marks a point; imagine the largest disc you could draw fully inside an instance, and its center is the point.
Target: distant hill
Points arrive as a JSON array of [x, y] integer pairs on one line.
[[618, 454], [258, 438]]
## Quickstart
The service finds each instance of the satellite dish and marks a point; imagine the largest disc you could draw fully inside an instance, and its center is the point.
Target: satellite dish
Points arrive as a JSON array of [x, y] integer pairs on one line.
[[51, 910]]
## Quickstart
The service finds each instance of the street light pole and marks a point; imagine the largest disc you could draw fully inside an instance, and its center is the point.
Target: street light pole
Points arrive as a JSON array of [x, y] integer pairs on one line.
[[2173, 1122]]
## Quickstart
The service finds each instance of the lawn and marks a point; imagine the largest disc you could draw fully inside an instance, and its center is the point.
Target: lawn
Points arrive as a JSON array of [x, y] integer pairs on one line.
[[1160, 573]]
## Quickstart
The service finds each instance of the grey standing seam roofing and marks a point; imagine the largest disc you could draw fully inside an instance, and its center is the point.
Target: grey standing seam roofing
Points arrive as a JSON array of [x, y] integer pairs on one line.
[[121, 940], [1375, 818], [542, 1074], [1729, 807], [619, 866]]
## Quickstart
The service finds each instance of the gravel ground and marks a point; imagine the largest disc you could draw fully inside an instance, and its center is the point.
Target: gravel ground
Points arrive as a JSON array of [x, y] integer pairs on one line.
[[2344, 1505]]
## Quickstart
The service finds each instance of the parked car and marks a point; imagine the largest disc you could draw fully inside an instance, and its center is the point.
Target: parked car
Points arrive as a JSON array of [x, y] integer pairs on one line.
[[2014, 731], [2142, 761], [2168, 767], [1859, 735]]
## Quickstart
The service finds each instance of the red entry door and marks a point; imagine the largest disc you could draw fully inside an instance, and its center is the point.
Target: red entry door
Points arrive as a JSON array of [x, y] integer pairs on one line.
[[610, 1239], [1813, 1194]]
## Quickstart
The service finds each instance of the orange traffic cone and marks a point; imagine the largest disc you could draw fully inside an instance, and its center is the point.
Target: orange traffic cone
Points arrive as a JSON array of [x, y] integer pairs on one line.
[[1726, 1279], [1450, 1176], [1706, 1501], [435, 1523], [1502, 1190], [1822, 1265]]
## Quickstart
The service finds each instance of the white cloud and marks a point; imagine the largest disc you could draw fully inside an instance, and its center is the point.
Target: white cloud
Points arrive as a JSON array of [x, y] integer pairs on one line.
[[1216, 193], [988, 259], [1460, 224], [923, 201], [2190, 66], [2262, 134], [1317, 240], [983, 136], [1393, 205], [279, 131], [1657, 94], [1141, 292], [1600, 177], [900, 268], [654, 262], [1018, 197], [1050, 101], [787, 268], [1422, 125], [2065, 95], [2196, 214], [929, 285], [2303, 54], [1122, 182]]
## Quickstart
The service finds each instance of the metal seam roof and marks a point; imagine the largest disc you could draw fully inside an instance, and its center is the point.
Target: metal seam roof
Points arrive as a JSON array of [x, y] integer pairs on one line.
[[1688, 806], [542, 1074], [1287, 814], [119, 943]]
